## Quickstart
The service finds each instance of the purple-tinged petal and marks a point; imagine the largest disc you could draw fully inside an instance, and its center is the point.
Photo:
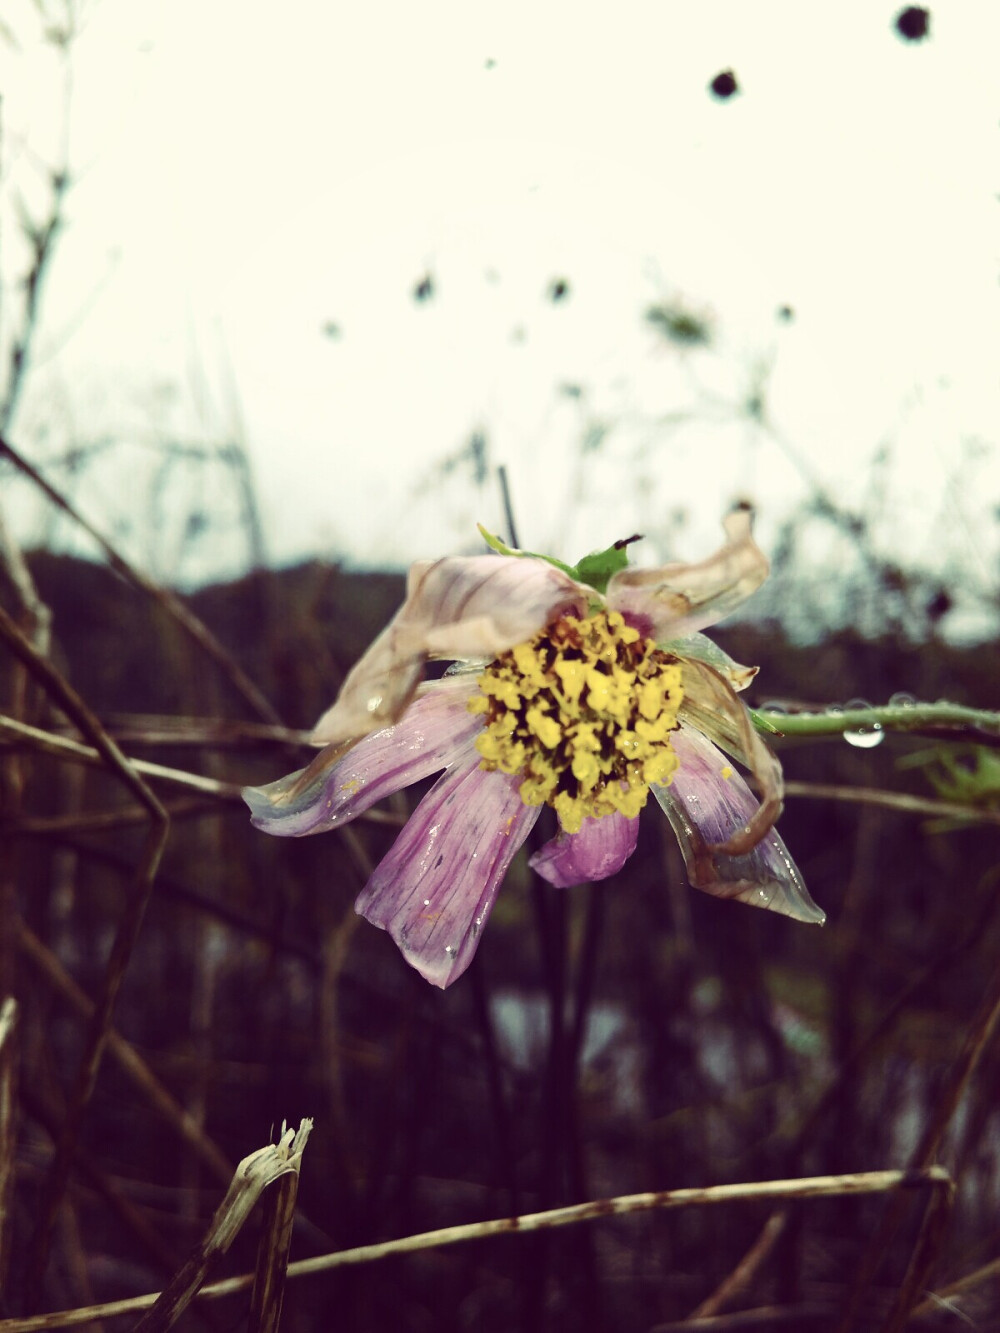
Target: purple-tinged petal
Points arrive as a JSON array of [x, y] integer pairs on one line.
[[705, 801], [678, 599], [435, 889], [599, 849], [435, 731], [468, 606]]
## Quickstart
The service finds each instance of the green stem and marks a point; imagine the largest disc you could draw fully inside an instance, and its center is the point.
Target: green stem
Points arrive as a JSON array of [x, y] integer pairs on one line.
[[892, 717]]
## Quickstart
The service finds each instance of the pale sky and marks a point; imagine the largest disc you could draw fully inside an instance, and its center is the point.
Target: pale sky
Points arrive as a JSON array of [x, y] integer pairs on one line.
[[246, 177]]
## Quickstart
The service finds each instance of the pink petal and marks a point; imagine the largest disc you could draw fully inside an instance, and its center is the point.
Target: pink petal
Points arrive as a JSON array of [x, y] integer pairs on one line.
[[599, 849], [435, 731], [704, 807], [435, 889], [467, 607], [678, 599]]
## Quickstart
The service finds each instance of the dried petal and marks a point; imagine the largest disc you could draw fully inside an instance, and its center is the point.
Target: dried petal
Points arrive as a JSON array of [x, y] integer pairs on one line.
[[711, 707], [706, 799], [466, 607], [703, 649], [436, 730], [435, 889], [601, 848], [678, 599]]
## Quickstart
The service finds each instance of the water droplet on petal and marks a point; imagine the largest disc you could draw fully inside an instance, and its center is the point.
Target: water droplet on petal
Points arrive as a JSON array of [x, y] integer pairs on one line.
[[450, 950]]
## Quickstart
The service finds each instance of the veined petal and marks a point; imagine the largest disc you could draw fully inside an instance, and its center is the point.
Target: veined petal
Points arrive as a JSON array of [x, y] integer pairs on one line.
[[599, 849], [435, 889], [705, 800], [434, 732], [678, 599], [469, 606], [712, 708], [704, 649]]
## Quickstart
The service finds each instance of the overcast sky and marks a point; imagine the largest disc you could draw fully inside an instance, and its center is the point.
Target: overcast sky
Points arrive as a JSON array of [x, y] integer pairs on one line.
[[258, 193]]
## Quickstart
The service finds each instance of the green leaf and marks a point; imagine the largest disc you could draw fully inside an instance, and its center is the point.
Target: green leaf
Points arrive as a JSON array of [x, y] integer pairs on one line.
[[594, 569]]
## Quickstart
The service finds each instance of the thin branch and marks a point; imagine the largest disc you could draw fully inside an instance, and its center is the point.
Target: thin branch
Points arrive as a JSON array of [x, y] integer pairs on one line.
[[48, 966], [980, 1032], [63, 747], [814, 1187], [63, 694], [8, 1124], [893, 800], [191, 624], [939, 718]]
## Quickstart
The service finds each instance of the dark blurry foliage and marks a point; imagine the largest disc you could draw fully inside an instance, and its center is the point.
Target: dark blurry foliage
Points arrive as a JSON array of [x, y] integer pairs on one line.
[[913, 23], [786, 314], [692, 1036], [724, 85], [424, 290], [680, 325], [558, 290]]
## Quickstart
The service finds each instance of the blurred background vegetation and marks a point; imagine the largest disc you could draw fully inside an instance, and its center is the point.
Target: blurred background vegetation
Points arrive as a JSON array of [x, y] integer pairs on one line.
[[626, 1036]]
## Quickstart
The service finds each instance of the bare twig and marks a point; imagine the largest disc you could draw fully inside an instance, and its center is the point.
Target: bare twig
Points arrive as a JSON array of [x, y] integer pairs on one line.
[[815, 1187], [159, 1098], [893, 800], [978, 1036], [8, 1123], [70, 702], [194, 627], [64, 748]]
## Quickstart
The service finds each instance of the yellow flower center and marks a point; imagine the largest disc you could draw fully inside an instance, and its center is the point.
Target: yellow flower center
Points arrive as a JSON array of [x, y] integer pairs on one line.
[[584, 711]]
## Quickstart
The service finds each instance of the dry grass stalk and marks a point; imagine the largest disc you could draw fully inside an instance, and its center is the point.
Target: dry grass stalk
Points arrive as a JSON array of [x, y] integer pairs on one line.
[[934, 1178], [195, 628], [8, 1123], [253, 1175], [272, 1255], [979, 1034], [65, 697], [48, 966]]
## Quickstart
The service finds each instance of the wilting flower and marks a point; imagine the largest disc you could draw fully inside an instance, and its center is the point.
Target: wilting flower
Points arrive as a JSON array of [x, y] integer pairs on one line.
[[580, 688]]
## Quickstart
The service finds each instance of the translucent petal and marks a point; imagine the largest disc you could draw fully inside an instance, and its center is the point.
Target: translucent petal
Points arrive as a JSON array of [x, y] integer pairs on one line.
[[434, 732], [679, 599], [712, 708], [467, 607], [435, 889], [703, 649], [705, 801], [601, 848]]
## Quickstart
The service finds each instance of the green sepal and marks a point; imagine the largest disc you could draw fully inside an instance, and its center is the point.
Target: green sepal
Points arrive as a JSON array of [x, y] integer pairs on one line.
[[595, 569]]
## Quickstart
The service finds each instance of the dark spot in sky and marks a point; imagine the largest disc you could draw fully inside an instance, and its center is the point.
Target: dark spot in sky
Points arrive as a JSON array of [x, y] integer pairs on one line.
[[331, 329], [558, 290], [490, 63], [786, 314], [424, 289], [724, 85], [913, 23]]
